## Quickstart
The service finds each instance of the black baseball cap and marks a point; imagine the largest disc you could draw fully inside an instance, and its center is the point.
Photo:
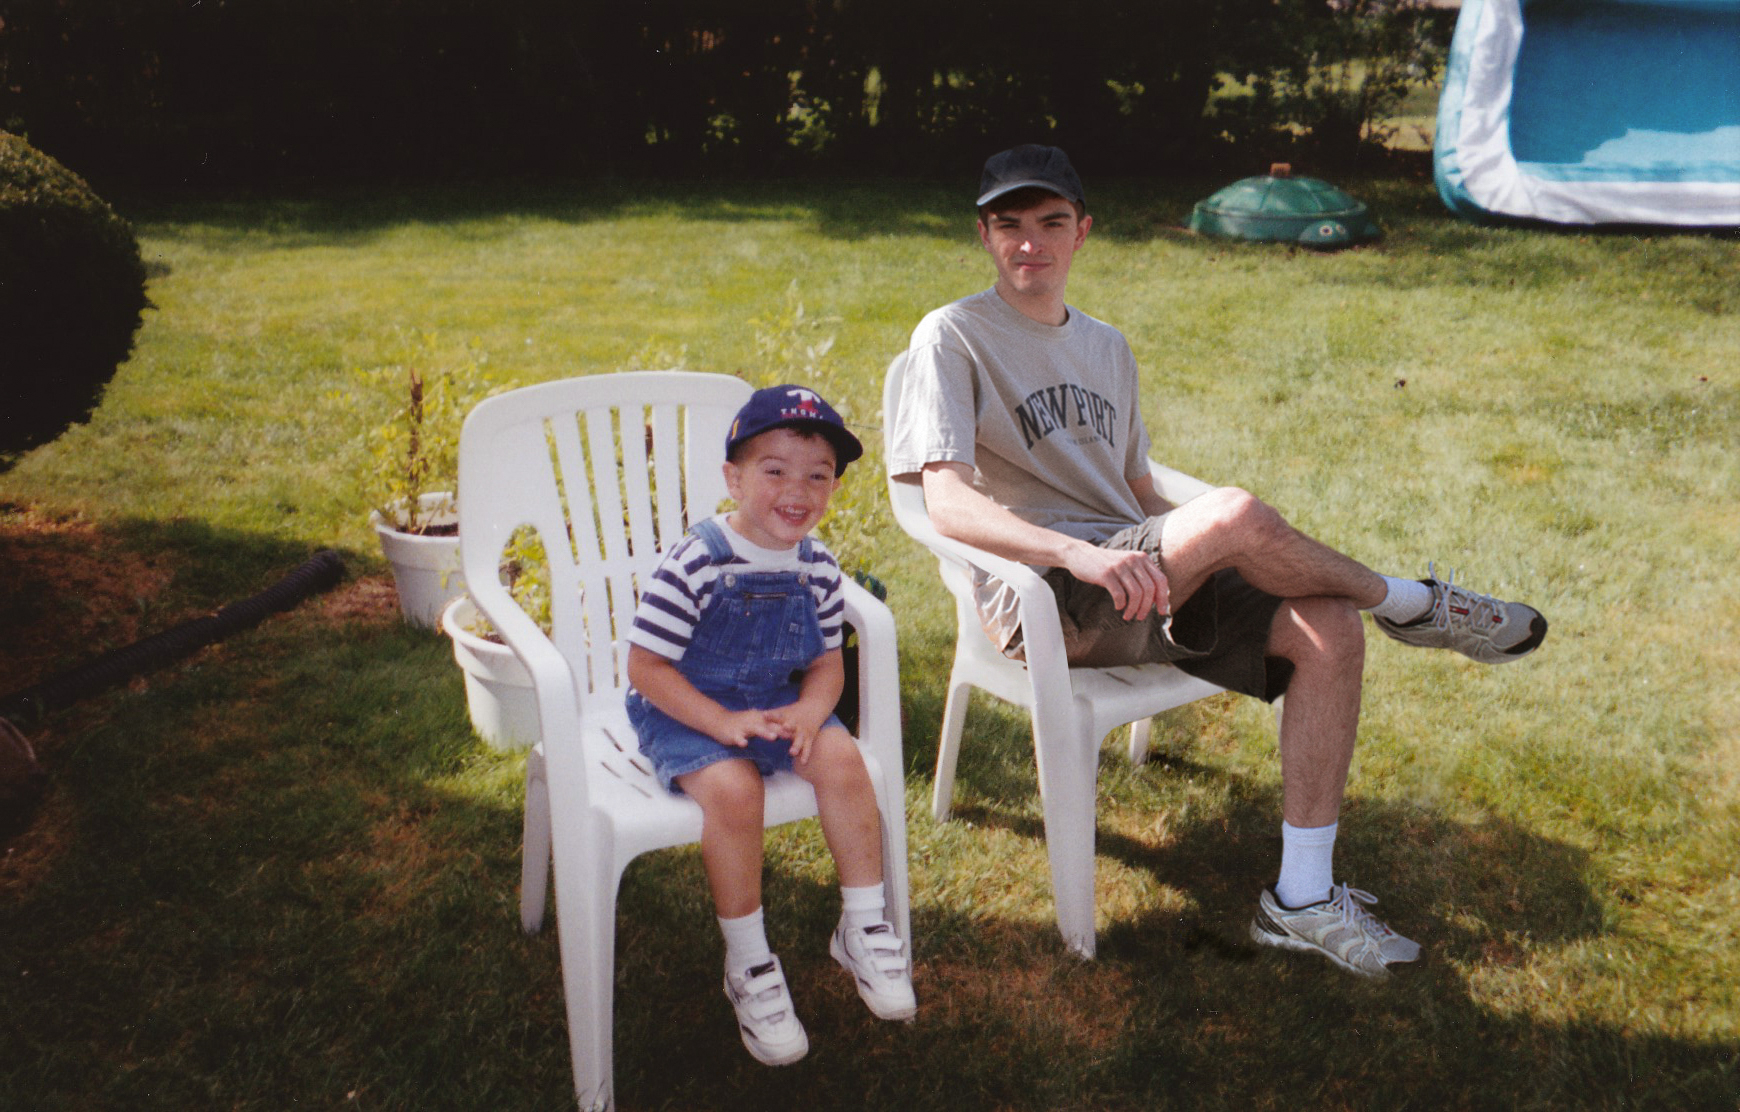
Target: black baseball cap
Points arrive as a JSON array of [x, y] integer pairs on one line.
[[1029, 166], [797, 407]]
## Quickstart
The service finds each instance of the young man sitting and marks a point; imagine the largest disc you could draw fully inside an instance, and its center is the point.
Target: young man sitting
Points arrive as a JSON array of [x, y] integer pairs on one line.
[[1022, 417]]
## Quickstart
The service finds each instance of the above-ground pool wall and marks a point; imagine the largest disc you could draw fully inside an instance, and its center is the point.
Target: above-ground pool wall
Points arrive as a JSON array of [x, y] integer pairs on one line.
[[1593, 112]]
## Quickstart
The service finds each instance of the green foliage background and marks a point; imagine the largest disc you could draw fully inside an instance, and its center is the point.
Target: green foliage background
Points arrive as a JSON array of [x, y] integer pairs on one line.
[[172, 95]]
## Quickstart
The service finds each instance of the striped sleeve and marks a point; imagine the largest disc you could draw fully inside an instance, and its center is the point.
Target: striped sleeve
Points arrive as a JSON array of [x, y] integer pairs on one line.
[[825, 585], [671, 600]]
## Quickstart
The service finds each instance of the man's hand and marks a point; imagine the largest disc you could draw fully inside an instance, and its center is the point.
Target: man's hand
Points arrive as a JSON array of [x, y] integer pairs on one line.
[[1137, 585]]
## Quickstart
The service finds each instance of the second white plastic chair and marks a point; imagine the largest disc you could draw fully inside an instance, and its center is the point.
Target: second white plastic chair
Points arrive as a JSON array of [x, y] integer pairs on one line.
[[1073, 709]]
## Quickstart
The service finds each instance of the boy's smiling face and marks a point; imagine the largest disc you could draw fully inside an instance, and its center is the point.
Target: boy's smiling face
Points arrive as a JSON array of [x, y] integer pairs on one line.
[[782, 481]]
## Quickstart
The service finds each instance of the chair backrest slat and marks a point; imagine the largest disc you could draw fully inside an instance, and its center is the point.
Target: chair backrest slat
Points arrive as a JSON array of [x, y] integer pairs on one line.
[[610, 471], [634, 428], [666, 429]]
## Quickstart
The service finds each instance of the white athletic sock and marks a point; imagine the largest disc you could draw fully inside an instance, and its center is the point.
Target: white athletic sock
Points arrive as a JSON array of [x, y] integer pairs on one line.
[[745, 941], [862, 907], [1407, 600], [1307, 864]]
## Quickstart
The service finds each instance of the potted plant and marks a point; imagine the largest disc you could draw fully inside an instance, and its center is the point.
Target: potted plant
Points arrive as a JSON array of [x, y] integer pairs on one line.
[[498, 689], [414, 464]]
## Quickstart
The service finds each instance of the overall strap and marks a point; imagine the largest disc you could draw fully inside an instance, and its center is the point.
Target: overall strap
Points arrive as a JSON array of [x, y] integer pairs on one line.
[[718, 548]]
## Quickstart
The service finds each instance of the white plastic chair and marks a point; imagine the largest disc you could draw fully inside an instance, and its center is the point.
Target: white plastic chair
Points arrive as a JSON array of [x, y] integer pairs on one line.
[[610, 470], [1073, 709]]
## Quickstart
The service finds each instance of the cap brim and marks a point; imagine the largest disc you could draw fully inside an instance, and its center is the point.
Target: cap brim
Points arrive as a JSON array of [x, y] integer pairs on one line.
[[1010, 187]]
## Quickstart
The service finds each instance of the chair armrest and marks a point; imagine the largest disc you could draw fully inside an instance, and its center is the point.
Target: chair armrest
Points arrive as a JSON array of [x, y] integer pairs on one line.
[[907, 497], [878, 673], [552, 677], [1175, 486], [1041, 630]]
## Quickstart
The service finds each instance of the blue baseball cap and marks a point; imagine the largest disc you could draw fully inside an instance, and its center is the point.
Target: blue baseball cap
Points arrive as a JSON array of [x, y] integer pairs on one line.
[[796, 407]]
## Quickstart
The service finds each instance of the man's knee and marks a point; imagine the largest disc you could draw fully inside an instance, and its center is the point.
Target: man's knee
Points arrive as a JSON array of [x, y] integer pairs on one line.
[[1237, 512]]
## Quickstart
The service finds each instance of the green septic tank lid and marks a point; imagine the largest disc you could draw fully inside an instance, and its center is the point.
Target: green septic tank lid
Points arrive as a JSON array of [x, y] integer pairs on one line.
[[1280, 208]]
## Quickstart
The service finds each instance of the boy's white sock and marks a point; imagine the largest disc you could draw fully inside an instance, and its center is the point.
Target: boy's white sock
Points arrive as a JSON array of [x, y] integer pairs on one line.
[[1407, 599], [745, 941], [862, 907], [1307, 864]]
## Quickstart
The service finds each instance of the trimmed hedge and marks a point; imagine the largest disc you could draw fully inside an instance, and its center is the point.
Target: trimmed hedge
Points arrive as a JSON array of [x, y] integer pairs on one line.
[[72, 289]]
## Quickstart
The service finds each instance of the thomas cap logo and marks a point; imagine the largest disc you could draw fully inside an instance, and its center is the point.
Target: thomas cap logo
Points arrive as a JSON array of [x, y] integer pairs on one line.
[[802, 404]]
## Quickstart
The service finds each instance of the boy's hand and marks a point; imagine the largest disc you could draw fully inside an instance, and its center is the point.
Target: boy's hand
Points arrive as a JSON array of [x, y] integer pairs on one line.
[[738, 727], [801, 724]]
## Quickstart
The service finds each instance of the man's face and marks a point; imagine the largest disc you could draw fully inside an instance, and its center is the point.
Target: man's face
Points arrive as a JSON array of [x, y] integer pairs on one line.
[[1033, 247]]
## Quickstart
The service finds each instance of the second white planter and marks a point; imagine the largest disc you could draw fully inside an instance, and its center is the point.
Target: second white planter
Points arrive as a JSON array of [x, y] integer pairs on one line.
[[498, 689]]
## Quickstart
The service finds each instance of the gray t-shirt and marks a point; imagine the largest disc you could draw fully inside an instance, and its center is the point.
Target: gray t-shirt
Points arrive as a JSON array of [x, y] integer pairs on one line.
[[1047, 416]]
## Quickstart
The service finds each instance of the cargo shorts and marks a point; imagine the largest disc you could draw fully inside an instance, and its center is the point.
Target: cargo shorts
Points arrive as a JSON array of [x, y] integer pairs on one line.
[[1220, 633]]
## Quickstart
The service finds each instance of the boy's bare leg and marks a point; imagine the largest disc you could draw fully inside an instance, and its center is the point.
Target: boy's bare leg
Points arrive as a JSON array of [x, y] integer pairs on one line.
[[732, 801], [846, 804], [1229, 528], [864, 943]]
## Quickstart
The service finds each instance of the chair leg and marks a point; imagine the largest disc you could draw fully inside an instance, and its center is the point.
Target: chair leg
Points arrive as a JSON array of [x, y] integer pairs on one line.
[[1140, 733], [896, 882], [587, 931], [535, 854], [948, 749], [1068, 769]]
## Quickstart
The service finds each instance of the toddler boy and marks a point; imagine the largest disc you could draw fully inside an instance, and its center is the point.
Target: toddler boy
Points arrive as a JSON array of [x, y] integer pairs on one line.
[[735, 665]]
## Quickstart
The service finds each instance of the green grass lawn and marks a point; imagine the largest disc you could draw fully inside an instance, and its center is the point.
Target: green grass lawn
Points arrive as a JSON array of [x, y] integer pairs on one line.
[[283, 873]]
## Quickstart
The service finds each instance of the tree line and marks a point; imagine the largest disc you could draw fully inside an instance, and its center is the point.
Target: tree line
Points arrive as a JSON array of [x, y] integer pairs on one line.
[[250, 92]]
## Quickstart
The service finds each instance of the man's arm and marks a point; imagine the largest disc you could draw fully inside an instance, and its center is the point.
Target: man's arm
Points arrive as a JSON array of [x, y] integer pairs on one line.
[[1152, 502], [962, 513]]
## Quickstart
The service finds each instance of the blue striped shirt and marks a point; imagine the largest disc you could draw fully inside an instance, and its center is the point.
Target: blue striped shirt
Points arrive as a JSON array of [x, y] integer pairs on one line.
[[681, 588]]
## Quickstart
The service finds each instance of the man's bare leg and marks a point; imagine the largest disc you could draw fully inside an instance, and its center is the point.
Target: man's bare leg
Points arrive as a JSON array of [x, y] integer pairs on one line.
[[1325, 640], [1230, 528]]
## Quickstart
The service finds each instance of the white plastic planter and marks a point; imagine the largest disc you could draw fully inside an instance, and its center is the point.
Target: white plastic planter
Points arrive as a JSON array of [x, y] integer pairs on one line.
[[425, 569], [498, 689]]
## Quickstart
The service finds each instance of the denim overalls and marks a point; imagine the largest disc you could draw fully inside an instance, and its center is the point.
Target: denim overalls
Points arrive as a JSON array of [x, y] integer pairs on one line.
[[748, 652]]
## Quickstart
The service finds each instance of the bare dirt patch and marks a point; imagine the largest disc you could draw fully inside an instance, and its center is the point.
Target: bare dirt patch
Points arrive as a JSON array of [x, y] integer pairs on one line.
[[67, 592], [71, 591]]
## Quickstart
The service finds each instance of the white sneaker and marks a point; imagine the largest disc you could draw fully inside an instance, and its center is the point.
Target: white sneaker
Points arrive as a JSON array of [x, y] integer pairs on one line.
[[876, 958], [1478, 626], [1338, 928], [765, 1016]]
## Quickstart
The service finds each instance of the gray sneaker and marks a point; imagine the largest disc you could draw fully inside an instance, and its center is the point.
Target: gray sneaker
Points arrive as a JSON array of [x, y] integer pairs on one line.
[[1478, 626], [1338, 928]]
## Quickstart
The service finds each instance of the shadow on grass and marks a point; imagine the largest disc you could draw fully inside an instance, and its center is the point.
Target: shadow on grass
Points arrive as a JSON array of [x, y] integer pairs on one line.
[[1125, 210], [1181, 1009], [284, 874], [1177, 1012], [835, 209], [278, 873]]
